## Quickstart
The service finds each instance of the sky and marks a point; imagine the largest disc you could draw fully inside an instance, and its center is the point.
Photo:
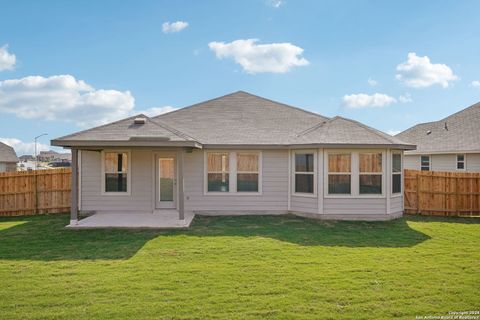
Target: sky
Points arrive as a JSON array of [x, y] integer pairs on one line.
[[66, 66]]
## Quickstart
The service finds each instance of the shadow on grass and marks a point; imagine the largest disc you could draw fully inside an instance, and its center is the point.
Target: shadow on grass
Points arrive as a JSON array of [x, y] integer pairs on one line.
[[45, 238]]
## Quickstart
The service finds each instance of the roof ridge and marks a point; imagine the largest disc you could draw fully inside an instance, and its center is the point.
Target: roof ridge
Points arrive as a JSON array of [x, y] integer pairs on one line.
[[248, 93], [379, 133], [171, 129], [101, 126]]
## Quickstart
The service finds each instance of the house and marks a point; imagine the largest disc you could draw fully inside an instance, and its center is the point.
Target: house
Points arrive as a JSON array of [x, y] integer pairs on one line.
[[8, 158], [26, 157], [450, 144], [233, 155], [48, 156]]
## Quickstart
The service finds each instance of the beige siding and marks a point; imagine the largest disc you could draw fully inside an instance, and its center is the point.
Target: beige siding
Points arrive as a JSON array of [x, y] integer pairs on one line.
[[411, 162], [355, 206], [140, 198], [304, 204], [473, 162], [396, 204], [274, 190], [444, 162]]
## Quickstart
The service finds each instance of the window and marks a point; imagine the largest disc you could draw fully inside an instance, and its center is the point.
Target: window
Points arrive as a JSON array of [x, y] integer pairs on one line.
[[218, 171], [370, 170], [304, 173], [460, 162], [116, 171], [247, 172], [396, 173], [425, 163], [339, 173]]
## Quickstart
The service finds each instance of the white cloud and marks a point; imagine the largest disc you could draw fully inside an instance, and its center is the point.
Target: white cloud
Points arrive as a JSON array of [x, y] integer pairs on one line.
[[275, 3], [475, 84], [406, 98], [22, 148], [393, 132], [372, 83], [171, 27], [419, 72], [155, 111], [362, 100], [63, 98], [257, 58], [7, 60]]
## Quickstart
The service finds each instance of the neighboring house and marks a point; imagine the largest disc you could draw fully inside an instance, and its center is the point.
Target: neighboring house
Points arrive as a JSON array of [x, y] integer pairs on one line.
[[8, 158], [26, 157], [51, 155], [238, 154], [450, 144]]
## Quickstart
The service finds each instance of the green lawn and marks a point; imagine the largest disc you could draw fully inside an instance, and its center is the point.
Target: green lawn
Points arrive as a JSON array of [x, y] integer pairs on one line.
[[240, 268]]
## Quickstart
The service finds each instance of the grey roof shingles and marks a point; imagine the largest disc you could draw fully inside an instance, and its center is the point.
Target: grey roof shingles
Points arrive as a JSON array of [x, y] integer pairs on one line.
[[456, 133], [7, 153], [242, 118]]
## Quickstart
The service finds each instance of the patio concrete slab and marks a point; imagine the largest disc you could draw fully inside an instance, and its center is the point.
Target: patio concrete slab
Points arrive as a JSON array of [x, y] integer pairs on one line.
[[162, 219]]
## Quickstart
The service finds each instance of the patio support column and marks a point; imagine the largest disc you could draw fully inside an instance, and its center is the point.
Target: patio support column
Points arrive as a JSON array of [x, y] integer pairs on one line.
[[181, 196], [74, 198]]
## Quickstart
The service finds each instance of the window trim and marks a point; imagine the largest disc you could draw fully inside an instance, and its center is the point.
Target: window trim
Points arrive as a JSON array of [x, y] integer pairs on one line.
[[397, 194], [354, 174], [232, 186], [464, 161], [314, 173], [129, 173], [429, 162], [381, 173]]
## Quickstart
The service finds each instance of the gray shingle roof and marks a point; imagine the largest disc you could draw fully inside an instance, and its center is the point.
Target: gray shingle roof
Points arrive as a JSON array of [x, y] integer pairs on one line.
[[7, 153], [241, 118], [457, 132]]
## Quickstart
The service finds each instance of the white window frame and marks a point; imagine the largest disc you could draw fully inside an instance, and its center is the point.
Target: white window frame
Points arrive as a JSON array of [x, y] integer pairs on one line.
[[314, 173], [397, 194], [354, 174], [464, 161], [232, 185], [382, 173], [258, 172], [129, 173], [429, 162], [328, 173]]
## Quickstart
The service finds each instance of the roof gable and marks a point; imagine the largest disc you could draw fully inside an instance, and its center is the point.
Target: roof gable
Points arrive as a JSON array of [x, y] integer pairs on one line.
[[457, 132], [7, 153]]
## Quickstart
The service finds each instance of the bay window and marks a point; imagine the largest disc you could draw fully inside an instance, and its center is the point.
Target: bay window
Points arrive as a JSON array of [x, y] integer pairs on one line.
[[370, 173], [304, 173], [339, 173], [396, 173], [115, 172]]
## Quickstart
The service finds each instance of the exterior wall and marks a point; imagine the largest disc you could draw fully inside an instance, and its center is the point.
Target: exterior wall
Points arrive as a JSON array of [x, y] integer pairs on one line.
[[276, 196], [444, 162], [140, 199], [8, 166]]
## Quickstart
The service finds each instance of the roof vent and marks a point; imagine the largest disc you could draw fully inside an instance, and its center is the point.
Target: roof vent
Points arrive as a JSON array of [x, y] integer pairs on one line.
[[446, 127], [140, 120], [428, 132]]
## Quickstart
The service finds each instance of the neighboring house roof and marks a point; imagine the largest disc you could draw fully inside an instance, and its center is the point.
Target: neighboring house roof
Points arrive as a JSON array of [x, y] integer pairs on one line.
[[459, 132], [243, 119], [7, 153]]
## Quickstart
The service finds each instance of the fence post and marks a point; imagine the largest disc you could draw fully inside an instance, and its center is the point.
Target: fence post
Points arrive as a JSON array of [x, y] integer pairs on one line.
[[457, 196], [418, 192], [35, 192]]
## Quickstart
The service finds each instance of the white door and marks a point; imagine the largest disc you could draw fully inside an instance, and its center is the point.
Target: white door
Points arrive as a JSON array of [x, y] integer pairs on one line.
[[166, 186]]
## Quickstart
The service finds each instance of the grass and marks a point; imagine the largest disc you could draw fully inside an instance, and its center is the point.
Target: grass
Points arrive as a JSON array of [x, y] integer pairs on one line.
[[240, 268]]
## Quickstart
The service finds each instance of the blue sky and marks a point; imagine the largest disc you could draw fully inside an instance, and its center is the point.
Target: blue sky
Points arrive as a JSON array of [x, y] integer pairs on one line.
[[71, 65]]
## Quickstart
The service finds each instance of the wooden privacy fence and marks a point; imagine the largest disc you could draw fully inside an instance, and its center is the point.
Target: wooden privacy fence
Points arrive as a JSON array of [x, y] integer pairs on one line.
[[442, 193], [35, 192]]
